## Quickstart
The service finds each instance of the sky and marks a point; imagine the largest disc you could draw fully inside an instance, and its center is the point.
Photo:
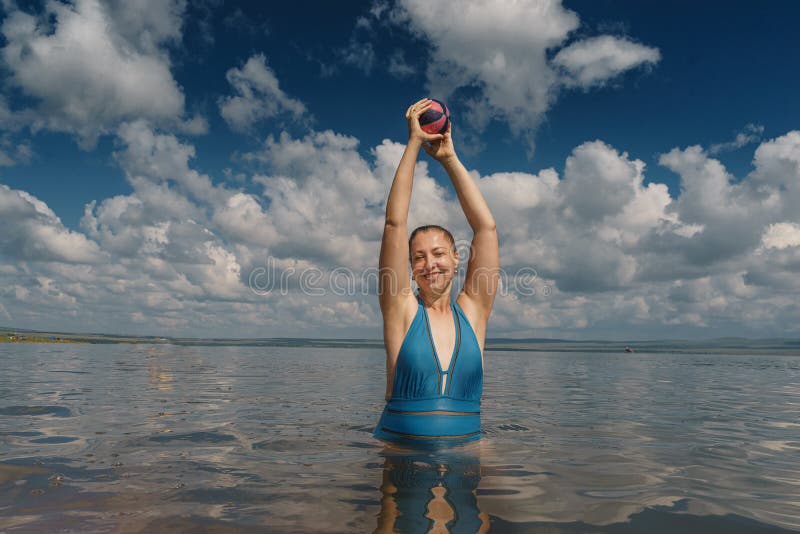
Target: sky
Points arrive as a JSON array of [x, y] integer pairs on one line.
[[220, 169]]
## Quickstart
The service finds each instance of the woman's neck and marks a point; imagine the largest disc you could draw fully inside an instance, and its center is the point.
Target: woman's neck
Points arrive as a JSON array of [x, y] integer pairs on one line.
[[436, 303]]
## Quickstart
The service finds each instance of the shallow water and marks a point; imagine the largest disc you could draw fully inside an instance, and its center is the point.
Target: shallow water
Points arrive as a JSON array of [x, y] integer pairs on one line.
[[127, 438]]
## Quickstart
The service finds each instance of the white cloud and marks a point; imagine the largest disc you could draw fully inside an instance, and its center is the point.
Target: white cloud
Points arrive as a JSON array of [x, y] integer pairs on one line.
[[241, 217], [717, 257], [732, 213], [326, 201], [342, 313], [179, 244], [599, 182], [781, 235], [89, 71], [221, 277], [500, 49], [577, 232], [148, 23], [611, 252], [359, 54], [508, 66], [161, 158], [750, 134], [596, 60], [32, 232], [707, 191], [196, 125], [776, 178], [13, 152], [258, 97]]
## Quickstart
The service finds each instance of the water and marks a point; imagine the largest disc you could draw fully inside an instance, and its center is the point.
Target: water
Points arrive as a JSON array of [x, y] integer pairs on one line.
[[145, 438]]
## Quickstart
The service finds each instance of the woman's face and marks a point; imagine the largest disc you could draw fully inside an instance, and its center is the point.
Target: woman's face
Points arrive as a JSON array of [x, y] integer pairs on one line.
[[433, 261]]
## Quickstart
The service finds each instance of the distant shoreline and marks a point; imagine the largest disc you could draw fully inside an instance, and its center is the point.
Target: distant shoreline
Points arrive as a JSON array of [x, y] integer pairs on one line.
[[733, 346], [36, 339]]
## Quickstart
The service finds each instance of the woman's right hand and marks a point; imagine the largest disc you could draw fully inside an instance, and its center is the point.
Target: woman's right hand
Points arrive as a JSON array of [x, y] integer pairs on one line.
[[415, 131]]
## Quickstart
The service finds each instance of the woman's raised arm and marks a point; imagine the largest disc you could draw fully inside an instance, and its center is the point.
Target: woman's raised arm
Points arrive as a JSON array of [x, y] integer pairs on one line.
[[393, 278], [483, 270]]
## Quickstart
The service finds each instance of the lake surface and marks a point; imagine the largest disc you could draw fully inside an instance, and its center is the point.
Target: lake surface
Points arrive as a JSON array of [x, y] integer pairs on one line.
[[147, 438]]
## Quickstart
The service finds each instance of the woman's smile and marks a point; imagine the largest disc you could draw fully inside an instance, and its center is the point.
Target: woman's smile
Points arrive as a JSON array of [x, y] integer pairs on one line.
[[432, 277]]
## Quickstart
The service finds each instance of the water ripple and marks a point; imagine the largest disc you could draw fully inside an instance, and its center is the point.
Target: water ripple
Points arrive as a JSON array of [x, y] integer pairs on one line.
[[148, 438]]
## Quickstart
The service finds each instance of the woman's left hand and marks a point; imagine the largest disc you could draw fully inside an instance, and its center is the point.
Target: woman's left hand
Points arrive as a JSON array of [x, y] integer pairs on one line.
[[442, 150]]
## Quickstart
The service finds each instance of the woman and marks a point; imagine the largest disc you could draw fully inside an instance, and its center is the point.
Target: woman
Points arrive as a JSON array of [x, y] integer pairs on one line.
[[434, 347]]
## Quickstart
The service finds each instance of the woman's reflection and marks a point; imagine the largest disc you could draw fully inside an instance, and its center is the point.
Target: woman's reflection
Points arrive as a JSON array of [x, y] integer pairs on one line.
[[431, 491]]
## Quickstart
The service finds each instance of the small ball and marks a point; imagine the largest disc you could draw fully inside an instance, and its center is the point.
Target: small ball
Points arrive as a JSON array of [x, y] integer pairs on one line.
[[435, 119]]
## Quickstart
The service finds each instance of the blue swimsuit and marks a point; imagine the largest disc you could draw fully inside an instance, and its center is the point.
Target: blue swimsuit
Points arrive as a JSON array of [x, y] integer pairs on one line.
[[428, 402]]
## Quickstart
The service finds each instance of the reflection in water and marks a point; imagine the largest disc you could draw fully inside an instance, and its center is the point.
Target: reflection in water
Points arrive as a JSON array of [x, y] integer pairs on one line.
[[431, 491], [160, 377], [280, 440]]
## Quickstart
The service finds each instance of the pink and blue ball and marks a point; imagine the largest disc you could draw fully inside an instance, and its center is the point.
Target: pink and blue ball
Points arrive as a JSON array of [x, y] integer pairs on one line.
[[435, 119]]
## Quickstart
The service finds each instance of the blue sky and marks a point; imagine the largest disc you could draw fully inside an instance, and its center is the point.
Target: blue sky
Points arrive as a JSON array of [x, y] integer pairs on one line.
[[207, 138]]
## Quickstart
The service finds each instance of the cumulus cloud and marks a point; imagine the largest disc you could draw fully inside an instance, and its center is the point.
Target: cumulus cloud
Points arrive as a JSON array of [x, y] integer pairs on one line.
[[32, 232], [499, 50], [721, 254], [148, 23], [176, 229], [781, 235], [178, 251], [578, 231], [731, 214], [153, 156], [186, 243], [599, 182], [595, 60], [322, 182], [258, 96], [94, 65], [242, 218], [509, 67], [611, 253], [776, 177]]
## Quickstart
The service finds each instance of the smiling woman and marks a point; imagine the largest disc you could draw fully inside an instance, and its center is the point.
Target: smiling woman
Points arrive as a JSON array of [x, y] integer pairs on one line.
[[434, 346]]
